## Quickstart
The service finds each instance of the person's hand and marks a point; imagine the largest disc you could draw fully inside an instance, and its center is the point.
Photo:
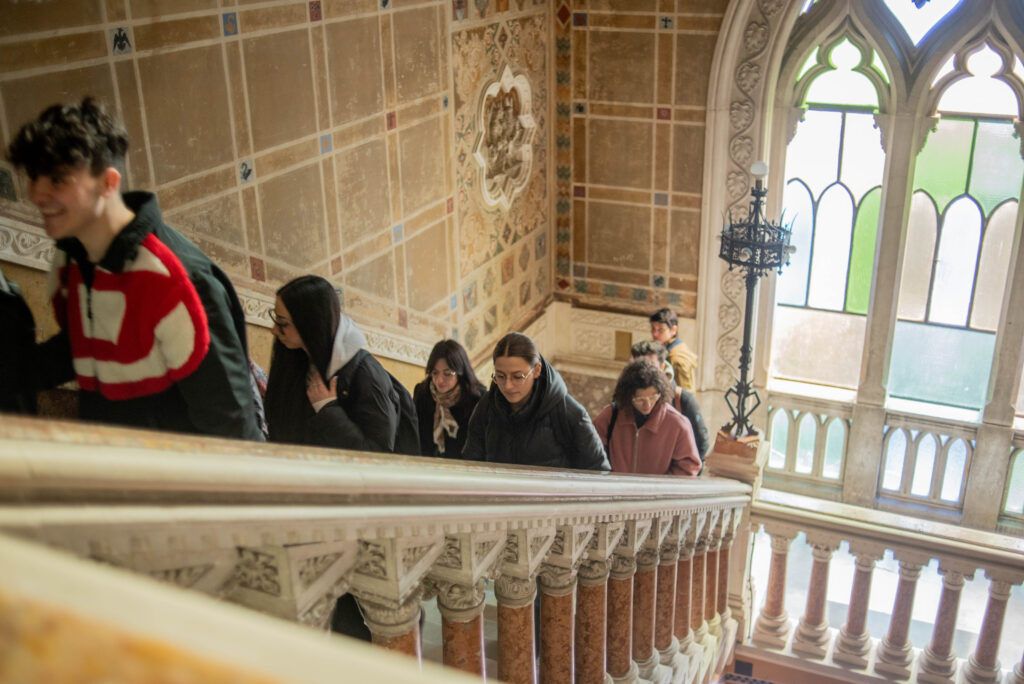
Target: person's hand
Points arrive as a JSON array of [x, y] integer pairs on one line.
[[317, 391]]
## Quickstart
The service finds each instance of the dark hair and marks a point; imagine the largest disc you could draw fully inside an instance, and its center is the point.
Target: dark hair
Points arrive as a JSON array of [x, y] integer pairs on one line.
[[666, 316], [315, 311], [517, 344], [454, 354], [72, 136], [648, 347], [638, 375]]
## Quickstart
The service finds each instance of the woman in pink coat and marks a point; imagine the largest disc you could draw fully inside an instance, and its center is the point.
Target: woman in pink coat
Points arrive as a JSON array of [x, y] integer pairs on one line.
[[641, 431]]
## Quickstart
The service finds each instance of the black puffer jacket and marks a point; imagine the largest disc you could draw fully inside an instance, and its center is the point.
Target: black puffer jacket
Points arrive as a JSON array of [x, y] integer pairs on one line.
[[551, 430]]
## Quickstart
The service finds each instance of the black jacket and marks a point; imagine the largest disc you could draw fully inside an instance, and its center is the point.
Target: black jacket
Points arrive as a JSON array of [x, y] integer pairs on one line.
[[425, 407], [551, 430], [216, 397], [365, 415], [687, 404]]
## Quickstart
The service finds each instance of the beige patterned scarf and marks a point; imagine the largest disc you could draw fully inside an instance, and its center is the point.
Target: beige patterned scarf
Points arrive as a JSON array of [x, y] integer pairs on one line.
[[444, 422]]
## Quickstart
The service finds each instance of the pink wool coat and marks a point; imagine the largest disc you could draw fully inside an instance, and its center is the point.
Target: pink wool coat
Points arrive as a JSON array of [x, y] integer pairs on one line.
[[663, 446]]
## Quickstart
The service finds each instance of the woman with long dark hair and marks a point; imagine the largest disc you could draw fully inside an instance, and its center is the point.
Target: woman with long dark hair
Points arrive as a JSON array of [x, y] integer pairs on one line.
[[445, 400], [324, 389], [528, 417], [641, 430]]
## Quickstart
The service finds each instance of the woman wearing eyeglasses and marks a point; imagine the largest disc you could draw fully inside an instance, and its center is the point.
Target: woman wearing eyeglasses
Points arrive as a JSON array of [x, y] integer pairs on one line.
[[528, 418], [317, 350], [445, 400], [641, 430]]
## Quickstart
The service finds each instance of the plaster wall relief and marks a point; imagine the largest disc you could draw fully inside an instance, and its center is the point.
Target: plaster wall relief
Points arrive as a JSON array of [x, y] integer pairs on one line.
[[500, 124]]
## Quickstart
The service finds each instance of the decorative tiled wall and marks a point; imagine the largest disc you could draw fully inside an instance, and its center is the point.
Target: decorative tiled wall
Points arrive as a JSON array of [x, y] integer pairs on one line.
[[334, 137], [631, 90]]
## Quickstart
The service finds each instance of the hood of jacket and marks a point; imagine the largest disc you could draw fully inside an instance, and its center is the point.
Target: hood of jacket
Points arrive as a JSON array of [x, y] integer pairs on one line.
[[347, 341]]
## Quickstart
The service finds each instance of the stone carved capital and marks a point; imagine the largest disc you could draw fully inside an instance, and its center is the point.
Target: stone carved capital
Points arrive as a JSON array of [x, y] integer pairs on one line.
[[459, 602], [391, 619], [556, 580], [623, 567], [515, 592], [704, 538], [688, 546], [593, 572]]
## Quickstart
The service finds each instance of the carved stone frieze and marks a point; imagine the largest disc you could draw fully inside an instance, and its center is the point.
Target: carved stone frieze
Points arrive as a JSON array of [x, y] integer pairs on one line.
[[748, 76], [411, 555], [311, 569], [451, 557], [511, 553], [371, 560], [21, 246], [515, 592], [482, 549], [257, 571], [184, 577], [538, 543], [318, 612], [558, 545]]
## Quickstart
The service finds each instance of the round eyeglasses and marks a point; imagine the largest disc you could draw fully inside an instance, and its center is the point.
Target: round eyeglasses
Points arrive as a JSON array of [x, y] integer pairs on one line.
[[515, 380]]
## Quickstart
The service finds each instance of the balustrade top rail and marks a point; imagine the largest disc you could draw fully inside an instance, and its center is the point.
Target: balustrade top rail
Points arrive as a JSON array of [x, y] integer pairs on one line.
[[782, 510], [58, 462]]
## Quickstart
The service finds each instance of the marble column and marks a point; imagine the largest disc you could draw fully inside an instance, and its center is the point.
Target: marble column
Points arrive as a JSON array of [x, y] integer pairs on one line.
[[620, 620], [812, 633], [983, 665], [557, 618], [665, 609], [772, 626], [396, 627], [697, 577], [937, 662], [711, 616], [462, 626], [1017, 676], [684, 580], [854, 642], [591, 624], [724, 612], [516, 660], [644, 615], [895, 652]]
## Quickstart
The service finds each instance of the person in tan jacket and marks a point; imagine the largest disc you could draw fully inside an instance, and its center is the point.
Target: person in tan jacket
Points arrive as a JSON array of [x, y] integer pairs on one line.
[[665, 329]]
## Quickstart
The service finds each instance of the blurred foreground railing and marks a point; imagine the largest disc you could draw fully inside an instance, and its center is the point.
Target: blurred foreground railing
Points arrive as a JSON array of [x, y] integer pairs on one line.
[[633, 573]]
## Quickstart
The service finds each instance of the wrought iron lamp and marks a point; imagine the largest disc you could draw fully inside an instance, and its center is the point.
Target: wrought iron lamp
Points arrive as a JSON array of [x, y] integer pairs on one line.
[[754, 245]]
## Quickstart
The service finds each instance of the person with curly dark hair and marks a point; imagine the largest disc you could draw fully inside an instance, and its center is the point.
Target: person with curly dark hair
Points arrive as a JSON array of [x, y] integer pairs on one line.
[[150, 327], [641, 431]]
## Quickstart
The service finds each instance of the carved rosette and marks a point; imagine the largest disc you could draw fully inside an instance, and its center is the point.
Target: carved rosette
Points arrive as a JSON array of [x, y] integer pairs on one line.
[[515, 592], [504, 145]]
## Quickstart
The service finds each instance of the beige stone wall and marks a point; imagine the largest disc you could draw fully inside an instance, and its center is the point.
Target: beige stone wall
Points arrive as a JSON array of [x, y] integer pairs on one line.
[[332, 137], [635, 108]]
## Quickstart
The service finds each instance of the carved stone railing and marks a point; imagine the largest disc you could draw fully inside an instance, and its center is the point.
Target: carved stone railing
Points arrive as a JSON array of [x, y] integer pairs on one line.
[[848, 651], [631, 571]]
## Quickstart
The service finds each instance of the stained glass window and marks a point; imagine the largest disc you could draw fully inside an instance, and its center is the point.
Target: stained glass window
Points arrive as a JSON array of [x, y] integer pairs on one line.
[[967, 181], [832, 196]]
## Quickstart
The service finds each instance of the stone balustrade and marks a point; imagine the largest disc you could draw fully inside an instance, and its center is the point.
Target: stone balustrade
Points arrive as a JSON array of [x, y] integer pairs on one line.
[[961, 554], [631, 572]]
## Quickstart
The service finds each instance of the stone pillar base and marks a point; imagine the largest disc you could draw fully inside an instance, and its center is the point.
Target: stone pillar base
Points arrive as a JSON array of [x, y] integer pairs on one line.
[[651, 670], [936, 669], [771, 632], [894, 661], [715, 625], [812, 640], [694, 655], [728, 644], [669, 652], [973, 673], [852, 650], [631, 677], [1017, 676]]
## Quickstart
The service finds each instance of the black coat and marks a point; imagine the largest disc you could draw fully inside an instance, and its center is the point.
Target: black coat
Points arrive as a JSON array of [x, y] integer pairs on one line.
[[551, 430], [364, 417], [425, 407]]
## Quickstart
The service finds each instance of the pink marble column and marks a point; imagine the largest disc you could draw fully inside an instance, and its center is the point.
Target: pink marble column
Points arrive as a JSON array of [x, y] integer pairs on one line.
[[1018, 673], [937, 662], [772, 626], [684, 579], [591, 626], [812, 634], [516, 661], [557, 620], [644, 587], [395, 627], [697, 623], [711, 591], [462, 626], [895, 652], [665, 609], [854, 641], [620, 618], [982, 665]]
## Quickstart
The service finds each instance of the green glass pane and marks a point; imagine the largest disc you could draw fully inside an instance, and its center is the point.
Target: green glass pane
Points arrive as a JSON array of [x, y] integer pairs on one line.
[[941, 168], [879, 66], [862, 253], [998, 169], [949, 366]]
